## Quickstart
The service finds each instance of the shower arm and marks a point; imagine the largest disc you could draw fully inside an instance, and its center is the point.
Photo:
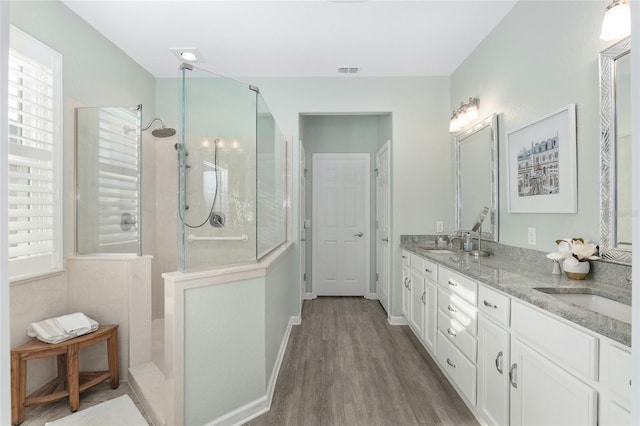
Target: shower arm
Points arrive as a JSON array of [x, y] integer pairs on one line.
[[153, 121]]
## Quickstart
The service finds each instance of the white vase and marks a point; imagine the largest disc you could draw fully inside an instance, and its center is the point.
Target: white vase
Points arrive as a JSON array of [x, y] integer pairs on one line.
[[576, 270]]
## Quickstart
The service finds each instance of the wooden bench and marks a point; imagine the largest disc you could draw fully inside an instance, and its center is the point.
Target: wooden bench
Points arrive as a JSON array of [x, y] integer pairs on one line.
[[70, 381]]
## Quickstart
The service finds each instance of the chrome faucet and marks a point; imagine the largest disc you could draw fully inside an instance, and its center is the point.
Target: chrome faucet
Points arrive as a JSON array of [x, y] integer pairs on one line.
[[455, 236]]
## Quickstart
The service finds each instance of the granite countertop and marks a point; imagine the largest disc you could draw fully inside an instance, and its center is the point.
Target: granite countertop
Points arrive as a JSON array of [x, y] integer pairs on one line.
[[519, 281]]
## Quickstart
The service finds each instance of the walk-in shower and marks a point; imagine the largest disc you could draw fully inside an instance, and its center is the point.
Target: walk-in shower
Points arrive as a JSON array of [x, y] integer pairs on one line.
[[231, 172]]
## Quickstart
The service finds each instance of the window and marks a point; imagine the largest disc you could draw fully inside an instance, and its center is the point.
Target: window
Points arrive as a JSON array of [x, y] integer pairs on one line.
[[35, 180]]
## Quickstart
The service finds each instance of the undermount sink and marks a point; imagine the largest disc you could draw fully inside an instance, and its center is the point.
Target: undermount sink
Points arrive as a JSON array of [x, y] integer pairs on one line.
[[440, 251], [595, 303]]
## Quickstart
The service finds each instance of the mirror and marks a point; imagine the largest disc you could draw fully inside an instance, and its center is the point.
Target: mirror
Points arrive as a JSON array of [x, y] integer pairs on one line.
[[477, 176], [615, 152], [108, 180]]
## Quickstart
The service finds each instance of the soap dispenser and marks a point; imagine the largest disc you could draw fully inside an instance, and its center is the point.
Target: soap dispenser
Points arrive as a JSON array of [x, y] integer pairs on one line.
[[468, 244]]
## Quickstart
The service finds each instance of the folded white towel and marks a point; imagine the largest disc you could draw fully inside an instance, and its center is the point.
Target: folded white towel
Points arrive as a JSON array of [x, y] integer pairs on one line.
[[59, 329]]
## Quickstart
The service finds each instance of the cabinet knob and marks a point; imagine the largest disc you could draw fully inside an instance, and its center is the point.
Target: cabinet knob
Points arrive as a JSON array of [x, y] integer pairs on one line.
[[452, 309], [451, 333], [428, 270], [452, 283], [451, 363]]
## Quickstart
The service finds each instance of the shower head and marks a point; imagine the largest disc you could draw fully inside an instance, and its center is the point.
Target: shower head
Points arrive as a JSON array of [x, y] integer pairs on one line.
[[161, 132]]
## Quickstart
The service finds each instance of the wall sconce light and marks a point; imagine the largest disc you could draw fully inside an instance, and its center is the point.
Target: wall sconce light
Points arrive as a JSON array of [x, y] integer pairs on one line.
[[617, 21], [464, 115]]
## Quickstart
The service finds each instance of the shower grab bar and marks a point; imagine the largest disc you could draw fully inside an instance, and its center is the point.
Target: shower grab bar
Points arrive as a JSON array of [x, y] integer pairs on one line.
[[242, 238]]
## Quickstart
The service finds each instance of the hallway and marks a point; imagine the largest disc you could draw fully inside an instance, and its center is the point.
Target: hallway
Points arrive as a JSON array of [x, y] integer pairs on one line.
[[345, 365]]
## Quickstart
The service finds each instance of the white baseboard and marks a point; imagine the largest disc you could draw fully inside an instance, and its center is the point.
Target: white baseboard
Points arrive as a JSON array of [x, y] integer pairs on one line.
[[397, 320], [310, 296], [263, 404], [243, 414], [371, 296]]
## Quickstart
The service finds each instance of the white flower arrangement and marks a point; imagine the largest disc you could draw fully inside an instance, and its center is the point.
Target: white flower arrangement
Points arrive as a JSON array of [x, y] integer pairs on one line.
[[574, 250]]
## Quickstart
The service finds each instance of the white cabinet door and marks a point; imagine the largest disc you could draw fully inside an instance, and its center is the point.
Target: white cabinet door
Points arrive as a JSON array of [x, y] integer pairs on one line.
[[417, 306], [544, 394], [406, 292], [430, 314], [493, 372]]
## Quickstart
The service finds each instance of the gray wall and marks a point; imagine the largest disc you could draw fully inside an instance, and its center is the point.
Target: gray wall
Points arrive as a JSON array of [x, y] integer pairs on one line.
[[95, 73], [540, 58], [343, 134], [420, 149]]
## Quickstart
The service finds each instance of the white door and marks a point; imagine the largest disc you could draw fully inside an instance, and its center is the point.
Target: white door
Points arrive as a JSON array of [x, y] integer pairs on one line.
[[302, 200], [544, 394], [341, 242], [383, 249]]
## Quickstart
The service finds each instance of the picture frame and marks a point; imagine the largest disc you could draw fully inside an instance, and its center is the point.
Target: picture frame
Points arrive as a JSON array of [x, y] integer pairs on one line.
[[542, 175]]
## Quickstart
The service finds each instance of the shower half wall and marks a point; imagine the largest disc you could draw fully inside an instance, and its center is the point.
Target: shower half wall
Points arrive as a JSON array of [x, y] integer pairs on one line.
[[231, 298]]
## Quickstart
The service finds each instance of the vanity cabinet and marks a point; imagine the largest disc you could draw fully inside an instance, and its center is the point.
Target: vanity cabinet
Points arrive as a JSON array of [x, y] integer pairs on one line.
[[456, 344], [494, 358], [423, 299], [615, 375], [542, 393], [512, 362], [416, 316], [430, 314], [406, 285], [551, 364]]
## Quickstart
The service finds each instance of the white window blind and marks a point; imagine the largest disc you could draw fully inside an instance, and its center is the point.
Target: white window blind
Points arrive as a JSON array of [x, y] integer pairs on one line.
[[118, 176], [35, 225]]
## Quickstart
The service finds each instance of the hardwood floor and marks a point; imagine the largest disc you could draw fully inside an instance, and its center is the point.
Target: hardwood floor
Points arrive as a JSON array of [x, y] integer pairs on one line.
[[345, 365]]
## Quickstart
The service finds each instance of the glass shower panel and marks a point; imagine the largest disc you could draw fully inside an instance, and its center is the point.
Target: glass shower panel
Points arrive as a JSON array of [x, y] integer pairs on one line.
[[217, 175], [271, 183], [108, 180]]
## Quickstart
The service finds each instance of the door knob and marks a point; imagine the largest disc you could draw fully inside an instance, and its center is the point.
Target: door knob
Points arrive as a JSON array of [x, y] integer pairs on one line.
[[359, 234], [386, 240]]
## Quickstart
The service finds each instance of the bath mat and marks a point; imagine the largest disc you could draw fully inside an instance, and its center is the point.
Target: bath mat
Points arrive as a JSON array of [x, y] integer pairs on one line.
[[118, 411]]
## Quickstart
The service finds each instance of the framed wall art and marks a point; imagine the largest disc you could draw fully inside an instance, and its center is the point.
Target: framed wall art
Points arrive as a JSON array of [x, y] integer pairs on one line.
[[541, 165]]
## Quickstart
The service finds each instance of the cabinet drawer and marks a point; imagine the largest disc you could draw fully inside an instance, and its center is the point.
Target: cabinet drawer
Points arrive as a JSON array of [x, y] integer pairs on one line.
[[430, 270], [494, 304], [461, 371], [458, 284], [459, 310], [406, 258], [617, 373], [458, 335], [572, 348]]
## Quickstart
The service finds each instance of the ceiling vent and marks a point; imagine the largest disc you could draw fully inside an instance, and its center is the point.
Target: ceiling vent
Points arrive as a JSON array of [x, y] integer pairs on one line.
[[348, 70]]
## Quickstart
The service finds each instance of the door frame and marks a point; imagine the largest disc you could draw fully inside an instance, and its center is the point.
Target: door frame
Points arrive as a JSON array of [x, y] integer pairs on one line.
[[367, 226], [387, 147], [302, 237]]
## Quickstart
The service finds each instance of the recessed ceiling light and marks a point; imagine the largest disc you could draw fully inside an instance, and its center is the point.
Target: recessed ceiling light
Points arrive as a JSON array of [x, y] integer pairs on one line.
[[188, 54]]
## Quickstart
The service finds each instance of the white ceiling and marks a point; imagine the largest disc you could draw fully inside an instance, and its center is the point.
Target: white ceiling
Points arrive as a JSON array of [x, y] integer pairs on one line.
[[297, 38]]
